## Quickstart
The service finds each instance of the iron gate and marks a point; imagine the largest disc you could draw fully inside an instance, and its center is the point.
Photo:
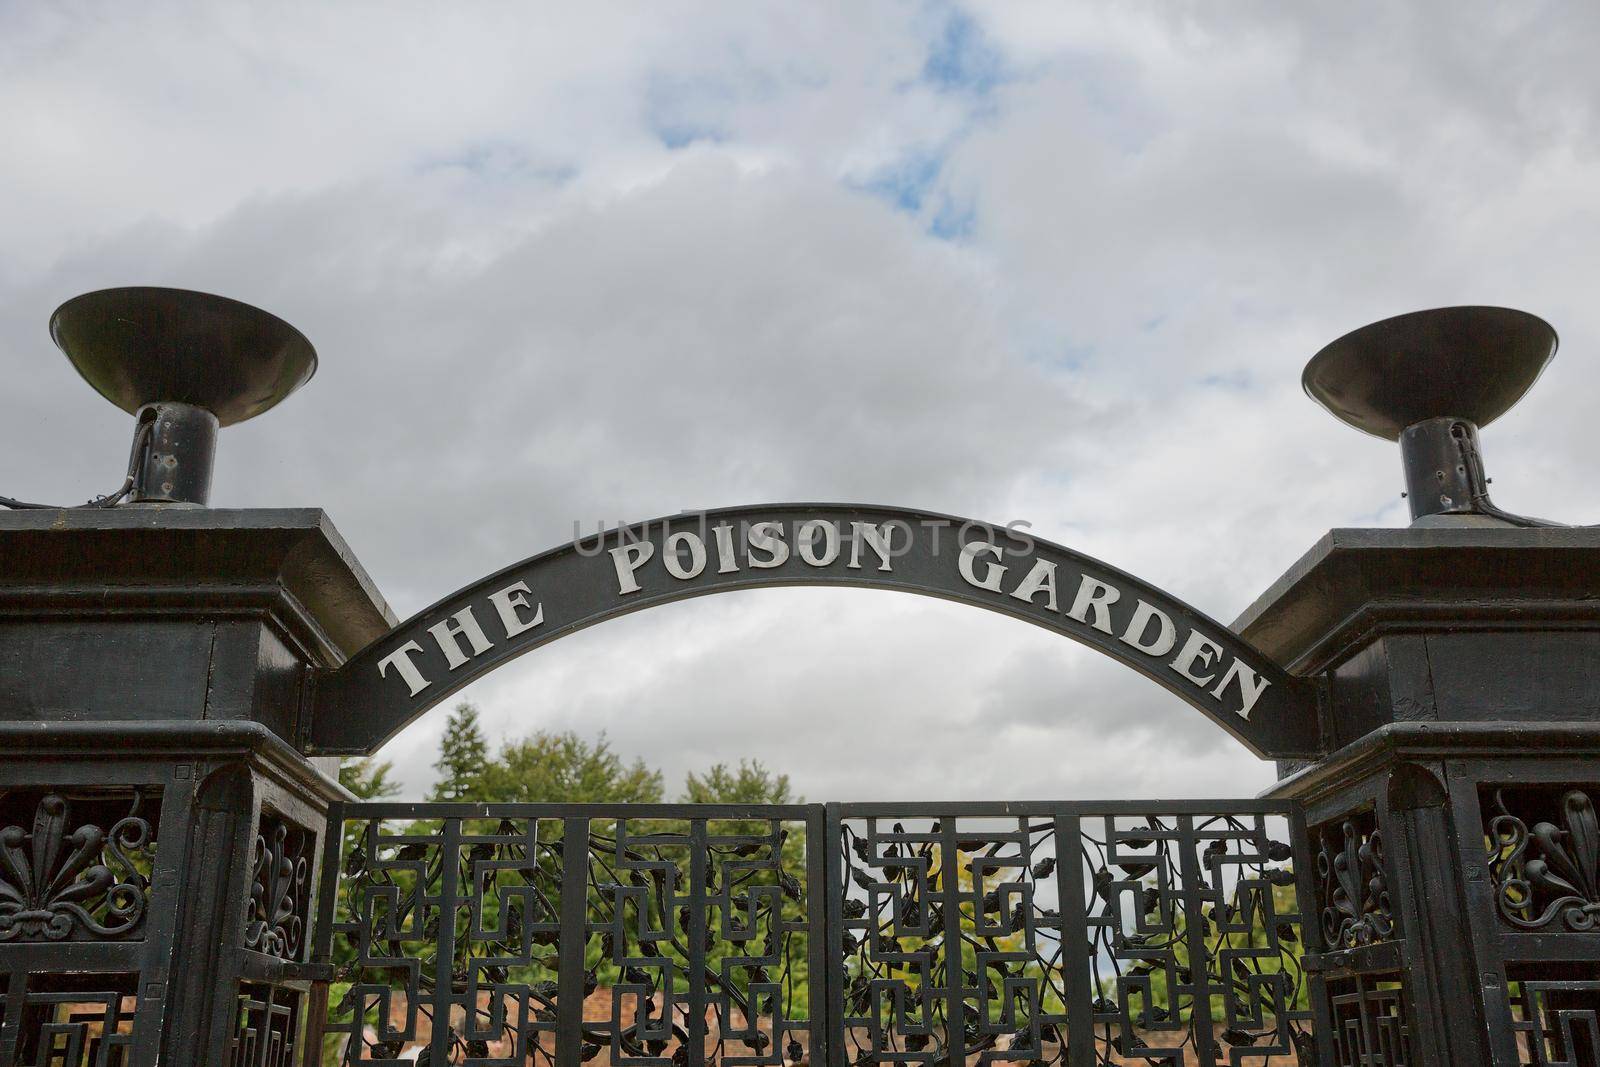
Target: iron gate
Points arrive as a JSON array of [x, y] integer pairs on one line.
[[688, 935]]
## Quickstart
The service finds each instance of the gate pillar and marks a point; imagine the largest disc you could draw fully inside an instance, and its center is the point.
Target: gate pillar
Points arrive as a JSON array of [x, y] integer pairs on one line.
[[1453, 825], [159, 831]]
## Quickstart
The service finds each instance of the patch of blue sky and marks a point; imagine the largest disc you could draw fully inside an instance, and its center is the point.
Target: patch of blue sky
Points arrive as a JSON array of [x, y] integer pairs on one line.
[[906, 183], [961, 59], [497, 160], [955, 218], [681, 111], [675, 135], [1059, 354], [1236, 381]]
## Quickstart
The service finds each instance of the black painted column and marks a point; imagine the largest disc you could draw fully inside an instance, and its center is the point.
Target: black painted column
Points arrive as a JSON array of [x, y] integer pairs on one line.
[[1453, 823], [158, 825]]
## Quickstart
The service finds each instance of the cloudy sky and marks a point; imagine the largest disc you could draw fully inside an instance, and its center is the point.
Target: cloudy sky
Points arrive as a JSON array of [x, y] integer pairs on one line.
[[1055, 263]]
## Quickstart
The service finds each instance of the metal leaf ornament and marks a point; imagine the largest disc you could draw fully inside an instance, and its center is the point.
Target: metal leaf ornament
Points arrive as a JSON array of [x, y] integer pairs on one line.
[[55, 884], [1549, 871]]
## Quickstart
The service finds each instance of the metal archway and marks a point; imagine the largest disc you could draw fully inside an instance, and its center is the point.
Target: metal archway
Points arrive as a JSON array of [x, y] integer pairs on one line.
[[477, 629]]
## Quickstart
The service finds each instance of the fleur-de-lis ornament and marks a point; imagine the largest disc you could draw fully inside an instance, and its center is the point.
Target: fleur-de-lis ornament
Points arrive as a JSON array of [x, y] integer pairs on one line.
[[55, 883], [1549, 870], [1356, 907]]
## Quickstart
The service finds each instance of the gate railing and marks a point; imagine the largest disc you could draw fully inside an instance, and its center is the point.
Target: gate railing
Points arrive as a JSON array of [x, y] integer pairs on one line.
[[748, 936]]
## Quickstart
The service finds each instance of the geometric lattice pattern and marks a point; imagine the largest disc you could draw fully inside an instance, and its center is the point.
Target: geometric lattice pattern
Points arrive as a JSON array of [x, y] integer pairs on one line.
[[681, 936], [1369, 1021], [87, 1025], [267, 1027], [446, 938], [1163, 938], [678, 939], [1556, 1019], [950, 940]]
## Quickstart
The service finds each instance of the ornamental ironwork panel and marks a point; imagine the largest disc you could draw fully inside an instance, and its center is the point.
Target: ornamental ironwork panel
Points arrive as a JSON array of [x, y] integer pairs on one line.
[[1544, 856], [78, 1020], [501, 934], [1369, 1026], [74, 868], [689, 935], [267, 1029], [84, 921], [1076, 934], [1353, 882], [446, 936], [1555, 1013], [276, 918]]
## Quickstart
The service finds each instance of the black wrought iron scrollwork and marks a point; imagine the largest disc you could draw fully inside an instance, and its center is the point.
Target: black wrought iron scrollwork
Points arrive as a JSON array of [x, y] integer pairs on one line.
[[444, 937], [457, 935], [1551, 869], [1198, 918], [706, 926], [678, 934], [276, 920], [947, 942], [60, 881], [959, 936], [1355, 885]]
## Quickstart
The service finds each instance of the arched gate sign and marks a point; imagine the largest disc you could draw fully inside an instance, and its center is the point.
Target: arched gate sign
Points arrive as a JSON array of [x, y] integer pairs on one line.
[[998, 568], [821, 934]]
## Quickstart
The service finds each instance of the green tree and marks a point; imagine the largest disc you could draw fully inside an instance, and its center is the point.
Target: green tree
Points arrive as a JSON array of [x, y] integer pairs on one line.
[[463, 757], [752, 783], [562, 767], [368, 780]]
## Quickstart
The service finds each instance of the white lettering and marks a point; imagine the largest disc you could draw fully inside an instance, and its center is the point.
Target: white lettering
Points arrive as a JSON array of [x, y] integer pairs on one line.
[[768, 537], [400, 660], [1041, 579], [726, 563], [1198, 651], [1251, 686], [448, 634], [806, 542], [674, 563], [508, 600], [875, 537], [627, 559], [991, 576], [1097, 597], [1166, 633]]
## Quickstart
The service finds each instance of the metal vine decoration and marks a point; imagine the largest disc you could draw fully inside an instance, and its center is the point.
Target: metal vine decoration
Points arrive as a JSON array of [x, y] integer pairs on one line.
[[63, 882], [692, 929], [958, 937], [275, 921], [947, 943], [1547, 871], [1355, 889], [682, 936], [1200, 922], [402, 889], [715, 925]]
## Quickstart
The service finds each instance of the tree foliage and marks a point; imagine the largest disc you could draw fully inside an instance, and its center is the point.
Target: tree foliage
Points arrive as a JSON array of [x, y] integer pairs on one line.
[[463, 754], [751, 783], [563, 767], [368, 779]]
